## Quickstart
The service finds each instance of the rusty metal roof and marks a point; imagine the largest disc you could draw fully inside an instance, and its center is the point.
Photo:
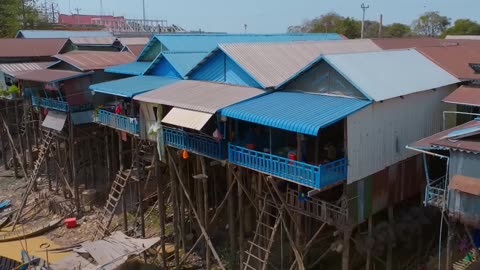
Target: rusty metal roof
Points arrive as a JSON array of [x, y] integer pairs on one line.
[[408, 43], [16, 68], [135, 49], [456, 59], [14, 48], [50, 75], [270, 64], [464, 95], [470, 185], [441, 141], [94, 60], [199, 96], [93, 40]]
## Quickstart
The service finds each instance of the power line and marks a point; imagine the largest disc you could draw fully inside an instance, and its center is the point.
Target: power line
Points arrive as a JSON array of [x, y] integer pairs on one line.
[[364, 9]]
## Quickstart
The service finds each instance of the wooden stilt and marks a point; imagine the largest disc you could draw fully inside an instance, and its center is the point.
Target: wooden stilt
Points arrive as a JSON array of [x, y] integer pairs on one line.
[[161, 208], [346, 250], [182, 206], [197, 217], [29, 143], [390, 244], [240, 215], [19, 136], [71, 149], [92, 163], [231, 218], [4, 150], [369, 250], [108, 172], [205, 205], [174, 189], [450, 245]]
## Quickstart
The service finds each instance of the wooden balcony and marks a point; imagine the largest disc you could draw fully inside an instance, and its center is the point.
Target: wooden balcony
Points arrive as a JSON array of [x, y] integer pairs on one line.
[[436, 193], [58, 105]]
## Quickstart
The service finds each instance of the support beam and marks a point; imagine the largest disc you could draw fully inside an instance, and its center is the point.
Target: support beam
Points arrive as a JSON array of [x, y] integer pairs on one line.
[[369, 250], [231, 216], [391, 223], [205, 205], [161, 208], [174, 188], [346, 250], [240, 214], [197, 217]]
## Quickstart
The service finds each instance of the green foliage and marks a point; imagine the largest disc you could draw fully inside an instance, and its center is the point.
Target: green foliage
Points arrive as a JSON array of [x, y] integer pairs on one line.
[[20, 14], [463, 27], [9, 12], [397, 30], [13, 90], [350, 28], [430, 24]]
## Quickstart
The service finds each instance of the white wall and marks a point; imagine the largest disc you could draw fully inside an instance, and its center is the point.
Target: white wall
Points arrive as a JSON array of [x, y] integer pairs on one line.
[[378, 134], [147, 119]]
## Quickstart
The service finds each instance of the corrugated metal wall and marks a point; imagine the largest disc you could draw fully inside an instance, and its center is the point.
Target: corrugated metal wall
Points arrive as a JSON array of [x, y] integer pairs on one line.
[[324, 79], [222, 69], [390, 186], [464, 206], [378, 134], [165, 69]]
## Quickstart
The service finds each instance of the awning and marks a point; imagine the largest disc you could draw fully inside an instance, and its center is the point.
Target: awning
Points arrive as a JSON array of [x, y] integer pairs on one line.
[[464, 95], [50, 75], [135, 68], [55, 120], [129, 87], [465, 184], [294, 111], [187, 118]]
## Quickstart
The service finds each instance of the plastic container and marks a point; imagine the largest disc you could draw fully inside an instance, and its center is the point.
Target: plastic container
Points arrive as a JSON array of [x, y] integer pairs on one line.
[[71, 223], [251, 146], [292, 155]]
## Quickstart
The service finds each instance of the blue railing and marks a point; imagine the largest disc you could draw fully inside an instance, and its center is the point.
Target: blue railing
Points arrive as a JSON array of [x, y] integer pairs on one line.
[[59, 105], [119, 122], [196, 143], [312, 176]]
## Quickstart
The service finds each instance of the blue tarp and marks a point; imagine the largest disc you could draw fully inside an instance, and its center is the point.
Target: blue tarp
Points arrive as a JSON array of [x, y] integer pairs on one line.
[[294, 111]]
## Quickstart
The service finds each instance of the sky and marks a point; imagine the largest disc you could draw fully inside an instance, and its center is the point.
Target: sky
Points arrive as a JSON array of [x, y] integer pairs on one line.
[[268, 16]]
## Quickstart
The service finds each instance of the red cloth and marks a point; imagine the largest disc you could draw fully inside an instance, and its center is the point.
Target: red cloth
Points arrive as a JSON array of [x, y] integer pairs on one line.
[[118, 109]]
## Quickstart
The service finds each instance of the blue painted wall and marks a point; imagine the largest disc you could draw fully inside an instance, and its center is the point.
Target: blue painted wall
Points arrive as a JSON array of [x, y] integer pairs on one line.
[[220, 68], [164, 69]]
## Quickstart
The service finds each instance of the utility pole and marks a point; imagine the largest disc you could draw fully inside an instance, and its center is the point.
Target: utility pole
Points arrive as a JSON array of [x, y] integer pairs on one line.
[[144, 17], [78, 15], [364, 9], [245, 26], [101, 7]]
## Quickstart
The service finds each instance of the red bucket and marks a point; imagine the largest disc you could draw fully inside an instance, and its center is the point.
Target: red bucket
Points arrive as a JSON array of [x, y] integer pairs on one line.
[[71, 223], [251, 146]]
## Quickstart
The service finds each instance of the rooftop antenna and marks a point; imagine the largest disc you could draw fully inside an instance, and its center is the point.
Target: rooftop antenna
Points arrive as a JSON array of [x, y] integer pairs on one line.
[[101, 7], [78, 14], [364, 9], [245, 26]]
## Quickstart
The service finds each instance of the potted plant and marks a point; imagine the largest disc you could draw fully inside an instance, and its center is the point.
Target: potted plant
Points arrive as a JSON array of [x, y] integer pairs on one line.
[[13, 91]]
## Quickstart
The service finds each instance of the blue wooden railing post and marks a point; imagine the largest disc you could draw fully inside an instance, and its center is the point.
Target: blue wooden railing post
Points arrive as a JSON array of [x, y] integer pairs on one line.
[[119, 122], [197, 143]]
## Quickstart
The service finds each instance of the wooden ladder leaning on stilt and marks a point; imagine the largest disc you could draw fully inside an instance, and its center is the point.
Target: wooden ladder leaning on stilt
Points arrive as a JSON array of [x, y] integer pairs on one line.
[[46, 143], [463, 264], [114, 197], [260, 247]]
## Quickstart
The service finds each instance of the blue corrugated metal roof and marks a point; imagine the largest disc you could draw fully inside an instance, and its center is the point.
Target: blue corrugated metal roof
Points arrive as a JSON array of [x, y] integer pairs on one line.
[[208, 42], [294, 111], [129, 87], [184, 62], [60, 34], [135, 68]]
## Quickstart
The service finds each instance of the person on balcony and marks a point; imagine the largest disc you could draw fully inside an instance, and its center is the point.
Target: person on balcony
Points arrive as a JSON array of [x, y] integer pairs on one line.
[[118, 109]]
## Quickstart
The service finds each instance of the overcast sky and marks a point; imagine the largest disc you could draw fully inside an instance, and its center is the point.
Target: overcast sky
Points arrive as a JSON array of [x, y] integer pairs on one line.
[[268, 16]]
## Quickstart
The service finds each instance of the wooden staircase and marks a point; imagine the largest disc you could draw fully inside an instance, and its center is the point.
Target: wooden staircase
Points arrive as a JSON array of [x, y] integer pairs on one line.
[[114, 197], [261, 245], [46, 143]]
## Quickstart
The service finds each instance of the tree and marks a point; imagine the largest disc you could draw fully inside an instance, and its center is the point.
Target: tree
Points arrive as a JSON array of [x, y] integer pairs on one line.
[[397, 30], [463, 27], [9, 10], [430, 24], [350, 28]]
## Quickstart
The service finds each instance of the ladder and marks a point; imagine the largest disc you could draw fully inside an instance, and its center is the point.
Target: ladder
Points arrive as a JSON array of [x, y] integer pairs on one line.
[[46, 143], [116, 193], [261, 245], [463, 263]]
